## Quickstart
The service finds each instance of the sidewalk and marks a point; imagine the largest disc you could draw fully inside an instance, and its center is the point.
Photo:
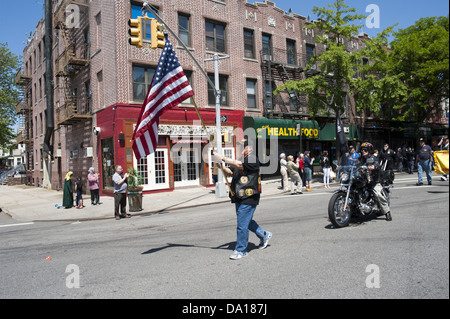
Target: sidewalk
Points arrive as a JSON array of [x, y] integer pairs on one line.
[[31, 204]]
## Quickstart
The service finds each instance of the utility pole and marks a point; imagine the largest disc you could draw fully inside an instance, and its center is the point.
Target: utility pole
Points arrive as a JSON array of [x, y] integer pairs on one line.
[[49, 114], [221, 190]]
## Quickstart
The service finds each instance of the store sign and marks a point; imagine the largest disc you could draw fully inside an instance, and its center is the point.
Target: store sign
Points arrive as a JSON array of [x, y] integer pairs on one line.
[[286, 132]]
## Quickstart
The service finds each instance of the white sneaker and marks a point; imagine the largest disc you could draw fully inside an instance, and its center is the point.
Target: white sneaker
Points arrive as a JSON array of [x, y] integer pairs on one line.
[[265, 241], [238, 255]]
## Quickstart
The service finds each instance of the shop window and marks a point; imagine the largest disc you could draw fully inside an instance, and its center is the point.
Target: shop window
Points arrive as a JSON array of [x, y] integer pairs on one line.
[[108, 168]]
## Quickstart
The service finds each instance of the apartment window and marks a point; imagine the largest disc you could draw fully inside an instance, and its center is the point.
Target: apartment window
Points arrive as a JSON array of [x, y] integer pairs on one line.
[[40, 88], [267, 44], [251, 94], [249, 44], [87, 87], [189, 77], [223, 86], [142, 79], [310, 52], [215, 36], [268, 95], [291, 52], [184, 27]]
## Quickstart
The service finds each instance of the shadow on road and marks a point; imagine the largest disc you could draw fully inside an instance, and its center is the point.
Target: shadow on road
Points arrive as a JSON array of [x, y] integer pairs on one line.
[[227, 246]]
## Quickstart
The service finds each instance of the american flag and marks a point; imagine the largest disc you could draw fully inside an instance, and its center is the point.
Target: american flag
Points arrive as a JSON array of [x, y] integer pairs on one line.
[[169, 88]]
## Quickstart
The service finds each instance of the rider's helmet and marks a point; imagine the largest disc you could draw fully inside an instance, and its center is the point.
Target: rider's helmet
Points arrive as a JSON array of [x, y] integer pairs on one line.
[[368, 146]]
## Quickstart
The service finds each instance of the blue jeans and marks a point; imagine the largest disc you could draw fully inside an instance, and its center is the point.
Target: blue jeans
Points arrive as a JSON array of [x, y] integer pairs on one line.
[[424, 166], [245, 223]]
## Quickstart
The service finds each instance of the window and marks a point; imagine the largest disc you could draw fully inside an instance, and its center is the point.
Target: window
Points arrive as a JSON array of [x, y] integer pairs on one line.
[[142, 79], [310, 49], [267, 44], [184, 29], [251, 94], [146, 27], [291, 52], [249, 44], [268, 95], [223, 86], [189, 77], [108, 168], [215, 37]]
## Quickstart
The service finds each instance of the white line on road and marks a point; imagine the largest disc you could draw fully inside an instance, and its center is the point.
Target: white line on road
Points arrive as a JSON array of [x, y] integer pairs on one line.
[[13, 225]]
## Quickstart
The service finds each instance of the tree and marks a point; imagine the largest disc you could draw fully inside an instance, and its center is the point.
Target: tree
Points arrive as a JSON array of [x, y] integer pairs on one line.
[[420, 57], [327, 91], [9, 94]]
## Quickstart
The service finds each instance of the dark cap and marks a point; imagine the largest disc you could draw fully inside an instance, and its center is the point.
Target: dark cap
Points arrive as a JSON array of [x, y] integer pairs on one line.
[[307, 152]]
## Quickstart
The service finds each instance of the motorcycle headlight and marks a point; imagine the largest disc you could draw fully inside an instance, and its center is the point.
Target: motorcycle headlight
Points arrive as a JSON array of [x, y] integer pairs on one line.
[[345, 177]]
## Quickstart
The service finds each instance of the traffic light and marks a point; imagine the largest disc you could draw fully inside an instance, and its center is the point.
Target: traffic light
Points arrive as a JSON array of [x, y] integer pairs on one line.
[[158, 39], [135, 32]]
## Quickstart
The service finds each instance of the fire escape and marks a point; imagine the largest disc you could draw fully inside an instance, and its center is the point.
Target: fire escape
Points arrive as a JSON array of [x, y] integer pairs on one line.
[[25, 109], [277, 68], [73, 59]]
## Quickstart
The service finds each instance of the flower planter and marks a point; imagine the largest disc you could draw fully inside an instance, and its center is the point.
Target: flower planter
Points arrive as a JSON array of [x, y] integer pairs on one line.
[[135, 199]]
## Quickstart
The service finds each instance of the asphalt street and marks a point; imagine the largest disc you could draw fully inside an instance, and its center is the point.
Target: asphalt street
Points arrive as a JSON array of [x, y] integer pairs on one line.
[[184, 254]]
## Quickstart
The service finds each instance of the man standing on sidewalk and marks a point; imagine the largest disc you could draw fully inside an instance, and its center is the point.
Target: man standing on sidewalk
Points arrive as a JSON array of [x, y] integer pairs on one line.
[[246, 186], [120, 193], [424, 158]]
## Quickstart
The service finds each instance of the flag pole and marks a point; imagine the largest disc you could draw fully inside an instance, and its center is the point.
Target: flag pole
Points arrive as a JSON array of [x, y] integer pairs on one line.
[[147, 6]]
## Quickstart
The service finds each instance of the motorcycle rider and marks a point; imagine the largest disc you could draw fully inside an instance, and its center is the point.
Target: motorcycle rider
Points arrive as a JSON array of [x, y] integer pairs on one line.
[[374, 167]]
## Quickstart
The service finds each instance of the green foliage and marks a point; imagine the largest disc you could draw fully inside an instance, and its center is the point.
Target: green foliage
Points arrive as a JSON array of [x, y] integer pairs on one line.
[[135, 179], [9, 95], [420, 56], [327, 91]]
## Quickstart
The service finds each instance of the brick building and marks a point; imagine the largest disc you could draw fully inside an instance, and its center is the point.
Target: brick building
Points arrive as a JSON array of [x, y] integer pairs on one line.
[[100, 82]]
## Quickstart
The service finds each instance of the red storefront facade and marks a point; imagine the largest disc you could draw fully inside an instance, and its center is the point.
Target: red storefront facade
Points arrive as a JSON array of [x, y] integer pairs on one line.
[[182, 158]]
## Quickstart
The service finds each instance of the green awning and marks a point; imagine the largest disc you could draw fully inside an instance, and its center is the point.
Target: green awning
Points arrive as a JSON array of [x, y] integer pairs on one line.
[[281, 128], [328, 132], [287, 129]]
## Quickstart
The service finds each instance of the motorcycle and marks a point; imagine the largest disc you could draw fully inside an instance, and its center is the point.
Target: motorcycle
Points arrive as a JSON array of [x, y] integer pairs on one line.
[[354, 197]]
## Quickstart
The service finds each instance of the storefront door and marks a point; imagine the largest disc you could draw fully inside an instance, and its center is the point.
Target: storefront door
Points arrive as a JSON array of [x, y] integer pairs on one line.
[[186, 167], [154, 170]]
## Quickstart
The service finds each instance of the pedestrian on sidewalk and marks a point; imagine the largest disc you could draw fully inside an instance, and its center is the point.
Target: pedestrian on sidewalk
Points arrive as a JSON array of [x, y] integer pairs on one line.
[[292, 169], [326, 167], [120, 180], [79, 193], [246, 186], [284, 173], [301, 168], [308, 169], [424, 158], [68, 191], [410, 159], [94, 186]]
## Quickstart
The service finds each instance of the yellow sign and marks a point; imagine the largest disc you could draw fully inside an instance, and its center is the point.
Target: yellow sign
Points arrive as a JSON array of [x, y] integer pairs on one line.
[[287, 132], [441, 162]]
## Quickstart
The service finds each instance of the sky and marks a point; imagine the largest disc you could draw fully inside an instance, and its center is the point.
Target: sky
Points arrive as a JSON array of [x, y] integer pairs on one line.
[[19, 18]]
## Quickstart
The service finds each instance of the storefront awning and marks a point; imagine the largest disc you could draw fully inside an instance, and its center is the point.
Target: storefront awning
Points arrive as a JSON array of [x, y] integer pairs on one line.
[[281, 128], [287, 129]]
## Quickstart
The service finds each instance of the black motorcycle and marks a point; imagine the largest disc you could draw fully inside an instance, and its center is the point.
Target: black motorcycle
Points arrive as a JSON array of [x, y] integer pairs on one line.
[[355, 197]]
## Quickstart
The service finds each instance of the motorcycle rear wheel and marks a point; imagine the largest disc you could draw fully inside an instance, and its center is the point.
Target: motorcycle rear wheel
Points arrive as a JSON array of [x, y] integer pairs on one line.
[[338, 217]]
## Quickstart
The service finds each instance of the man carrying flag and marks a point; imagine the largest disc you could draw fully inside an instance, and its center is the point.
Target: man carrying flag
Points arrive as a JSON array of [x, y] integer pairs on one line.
[[169, 88]]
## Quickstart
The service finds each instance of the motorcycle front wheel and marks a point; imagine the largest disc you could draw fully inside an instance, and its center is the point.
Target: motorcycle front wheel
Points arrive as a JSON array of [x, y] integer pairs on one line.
[[338, 216]]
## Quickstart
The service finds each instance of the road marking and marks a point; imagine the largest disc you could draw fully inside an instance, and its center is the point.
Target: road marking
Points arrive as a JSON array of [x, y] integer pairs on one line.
[[14, 225]]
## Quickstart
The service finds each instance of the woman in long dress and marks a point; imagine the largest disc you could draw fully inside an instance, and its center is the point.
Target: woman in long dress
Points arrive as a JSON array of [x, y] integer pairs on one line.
[[68, 191]]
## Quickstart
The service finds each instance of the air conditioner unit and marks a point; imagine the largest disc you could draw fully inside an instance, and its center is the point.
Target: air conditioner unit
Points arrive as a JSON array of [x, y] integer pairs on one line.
[[267, 57], [89, 152]]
